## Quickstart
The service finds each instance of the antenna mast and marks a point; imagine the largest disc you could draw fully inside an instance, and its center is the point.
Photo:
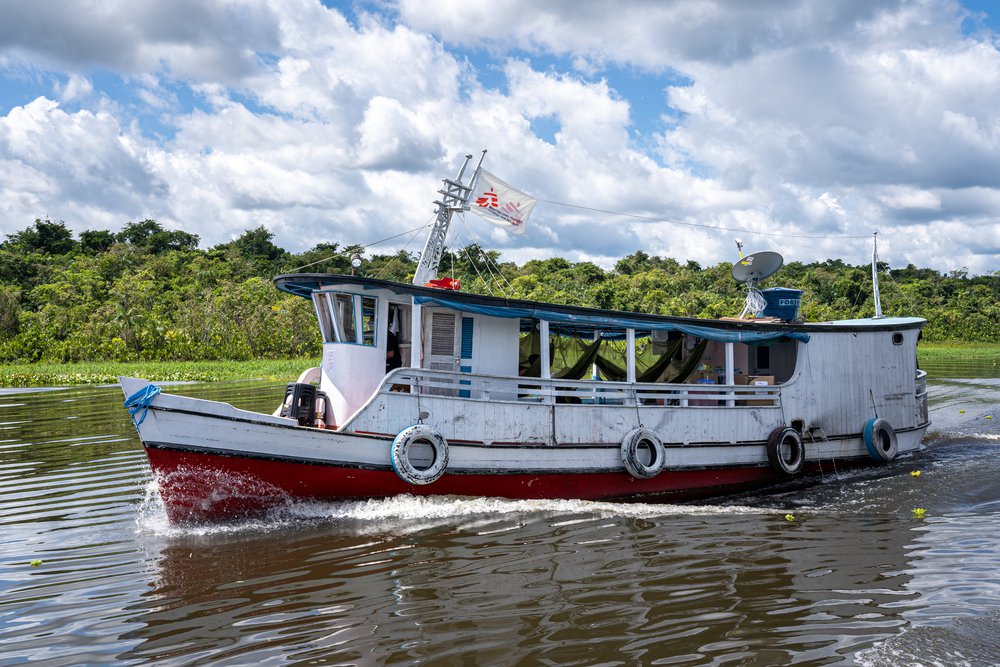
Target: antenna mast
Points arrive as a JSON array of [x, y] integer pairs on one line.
[[878, 298], [454, 197]]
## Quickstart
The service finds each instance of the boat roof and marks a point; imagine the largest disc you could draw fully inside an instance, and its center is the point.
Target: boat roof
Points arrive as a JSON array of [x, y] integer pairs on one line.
[[578, 319]]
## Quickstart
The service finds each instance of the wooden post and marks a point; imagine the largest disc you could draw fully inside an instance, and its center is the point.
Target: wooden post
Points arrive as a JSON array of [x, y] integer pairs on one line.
[[546, 361], [416, 336], [543, 349], [630, 355], [730, 373]]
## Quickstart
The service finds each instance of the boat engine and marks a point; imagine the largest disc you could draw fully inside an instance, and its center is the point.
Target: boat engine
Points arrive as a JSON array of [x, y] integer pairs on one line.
[[299, 403]]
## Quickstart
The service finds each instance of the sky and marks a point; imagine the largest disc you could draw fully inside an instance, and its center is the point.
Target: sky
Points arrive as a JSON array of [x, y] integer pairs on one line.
[[674, 127]]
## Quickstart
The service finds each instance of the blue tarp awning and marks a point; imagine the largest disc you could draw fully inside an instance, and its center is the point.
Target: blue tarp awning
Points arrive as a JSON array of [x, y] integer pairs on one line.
[[598, 322]]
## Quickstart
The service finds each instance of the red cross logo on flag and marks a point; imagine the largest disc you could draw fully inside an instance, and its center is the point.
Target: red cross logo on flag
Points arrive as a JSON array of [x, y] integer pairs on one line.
[[488, 200], [500, 203]]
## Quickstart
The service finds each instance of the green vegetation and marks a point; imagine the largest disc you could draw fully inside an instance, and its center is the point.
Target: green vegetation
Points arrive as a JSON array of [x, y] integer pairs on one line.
[[104, 372], [958, 349], [958, 353], [147, 294]]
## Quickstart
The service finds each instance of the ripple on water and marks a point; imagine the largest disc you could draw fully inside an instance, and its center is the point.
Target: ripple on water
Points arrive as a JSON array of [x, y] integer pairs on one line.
[[852, 576]]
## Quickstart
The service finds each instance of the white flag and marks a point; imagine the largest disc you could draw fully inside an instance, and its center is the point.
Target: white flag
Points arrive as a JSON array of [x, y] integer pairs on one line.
[[500, 203]]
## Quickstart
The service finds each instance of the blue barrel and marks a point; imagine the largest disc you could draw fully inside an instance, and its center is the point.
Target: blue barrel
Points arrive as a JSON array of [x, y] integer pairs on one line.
[[782, 302]]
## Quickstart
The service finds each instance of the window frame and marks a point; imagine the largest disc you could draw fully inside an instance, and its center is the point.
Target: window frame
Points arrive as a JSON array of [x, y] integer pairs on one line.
[[331, 324], [361, 317]]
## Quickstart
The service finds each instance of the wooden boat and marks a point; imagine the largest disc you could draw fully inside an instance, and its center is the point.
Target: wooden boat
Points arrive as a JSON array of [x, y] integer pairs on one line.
[[478, 405]]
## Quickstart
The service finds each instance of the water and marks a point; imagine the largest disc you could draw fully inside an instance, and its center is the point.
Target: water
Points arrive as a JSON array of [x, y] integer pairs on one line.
[[837, 572]]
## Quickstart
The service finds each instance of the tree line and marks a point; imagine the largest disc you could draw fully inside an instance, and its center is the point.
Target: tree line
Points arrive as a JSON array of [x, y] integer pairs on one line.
[[151, 294]]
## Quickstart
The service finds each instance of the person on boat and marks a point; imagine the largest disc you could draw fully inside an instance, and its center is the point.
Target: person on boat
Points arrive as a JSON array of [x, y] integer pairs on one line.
[[527, 364], [393, 358]]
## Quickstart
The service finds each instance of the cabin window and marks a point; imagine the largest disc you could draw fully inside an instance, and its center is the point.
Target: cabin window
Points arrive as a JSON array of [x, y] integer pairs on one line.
[[326, 326], [763, 358], [368, 321], [343, 310], [341, 315]]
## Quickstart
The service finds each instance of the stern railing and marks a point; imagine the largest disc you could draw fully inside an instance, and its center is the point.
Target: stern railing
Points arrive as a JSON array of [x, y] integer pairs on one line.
[[921, 394], [425, 382]]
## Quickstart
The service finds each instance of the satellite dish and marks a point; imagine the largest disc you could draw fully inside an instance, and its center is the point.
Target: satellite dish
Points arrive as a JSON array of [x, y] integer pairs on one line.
[[750, 270], [754, 268]]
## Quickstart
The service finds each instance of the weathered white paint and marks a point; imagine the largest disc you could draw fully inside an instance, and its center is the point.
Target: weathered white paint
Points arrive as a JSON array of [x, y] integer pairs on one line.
[[545, 352], [545, 358], [348, 378], [416, 336], [845, 379], [495, 350], [218, 427]]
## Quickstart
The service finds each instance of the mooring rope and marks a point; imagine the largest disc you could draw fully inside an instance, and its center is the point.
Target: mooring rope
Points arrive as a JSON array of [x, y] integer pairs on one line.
[[140, 401]]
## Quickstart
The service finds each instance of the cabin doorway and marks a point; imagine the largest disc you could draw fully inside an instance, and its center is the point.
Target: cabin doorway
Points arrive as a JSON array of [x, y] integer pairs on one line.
[[399, 324]]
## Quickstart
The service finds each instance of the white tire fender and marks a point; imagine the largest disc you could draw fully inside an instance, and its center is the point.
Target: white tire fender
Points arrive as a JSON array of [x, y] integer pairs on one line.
[[419, 454]]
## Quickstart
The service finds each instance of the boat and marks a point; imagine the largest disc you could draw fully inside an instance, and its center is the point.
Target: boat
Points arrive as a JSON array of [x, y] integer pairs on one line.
[[424, 389]]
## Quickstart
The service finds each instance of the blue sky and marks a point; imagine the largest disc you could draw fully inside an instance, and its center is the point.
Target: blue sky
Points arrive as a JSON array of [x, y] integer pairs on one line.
[[801, 127]]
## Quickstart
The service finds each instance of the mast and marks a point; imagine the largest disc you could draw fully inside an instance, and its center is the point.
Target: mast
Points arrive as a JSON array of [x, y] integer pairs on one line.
[[878, 298], [454, 197]]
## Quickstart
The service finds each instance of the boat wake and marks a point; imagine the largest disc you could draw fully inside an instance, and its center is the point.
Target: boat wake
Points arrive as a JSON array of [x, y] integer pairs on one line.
[[408, 514]]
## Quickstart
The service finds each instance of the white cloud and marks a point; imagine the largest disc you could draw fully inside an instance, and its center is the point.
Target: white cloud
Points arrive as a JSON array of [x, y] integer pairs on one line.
[[905, 197], [80, 161], [395, 137], [76, 87], [815, 119], [188, 38]]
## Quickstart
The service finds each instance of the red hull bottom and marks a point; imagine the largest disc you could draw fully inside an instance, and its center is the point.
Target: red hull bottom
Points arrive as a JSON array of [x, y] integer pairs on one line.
[[198, 487]]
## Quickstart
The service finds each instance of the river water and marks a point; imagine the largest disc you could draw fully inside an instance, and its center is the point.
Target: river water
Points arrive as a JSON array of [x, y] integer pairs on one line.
[[839, 571]]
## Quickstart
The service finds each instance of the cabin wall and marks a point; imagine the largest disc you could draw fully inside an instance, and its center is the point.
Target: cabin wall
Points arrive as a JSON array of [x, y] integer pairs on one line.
[[780, 360], [495, 345], [845, 379], [350, 375], [351, 372], [470, 343]]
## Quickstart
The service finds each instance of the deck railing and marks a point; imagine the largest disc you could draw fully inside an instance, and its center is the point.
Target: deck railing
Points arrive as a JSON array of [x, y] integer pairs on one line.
[[921, 393], [553, 391]]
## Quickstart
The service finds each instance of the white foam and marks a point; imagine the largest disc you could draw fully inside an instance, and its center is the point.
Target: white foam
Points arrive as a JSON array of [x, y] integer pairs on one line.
[[441, 507], [408, 513]]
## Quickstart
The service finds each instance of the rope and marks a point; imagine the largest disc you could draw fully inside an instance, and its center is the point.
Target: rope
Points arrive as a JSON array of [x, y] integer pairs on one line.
[[368, 245], [475, 268], [140, 401], [695, 224], [487, 262], [465, 249], [405, 246], [900, 291]]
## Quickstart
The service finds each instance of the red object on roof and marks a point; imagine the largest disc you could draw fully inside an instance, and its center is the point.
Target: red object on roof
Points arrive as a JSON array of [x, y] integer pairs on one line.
[[445, 283]]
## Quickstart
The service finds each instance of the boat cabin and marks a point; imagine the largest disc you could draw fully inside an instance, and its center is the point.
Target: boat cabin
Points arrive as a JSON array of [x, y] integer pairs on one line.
[[372, 327]]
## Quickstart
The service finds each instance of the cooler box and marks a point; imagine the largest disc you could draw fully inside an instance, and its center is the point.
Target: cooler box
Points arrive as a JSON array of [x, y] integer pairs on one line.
[[755, 381], [782, 302]]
